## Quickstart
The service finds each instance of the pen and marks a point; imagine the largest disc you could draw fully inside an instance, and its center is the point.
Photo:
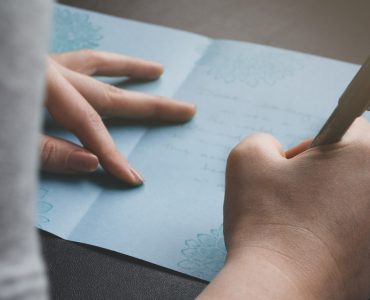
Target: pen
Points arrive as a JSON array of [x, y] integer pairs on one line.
[[354, 101]]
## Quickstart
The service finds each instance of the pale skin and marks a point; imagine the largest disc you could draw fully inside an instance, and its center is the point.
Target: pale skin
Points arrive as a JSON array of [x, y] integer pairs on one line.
[[77, 102], [297, 223]]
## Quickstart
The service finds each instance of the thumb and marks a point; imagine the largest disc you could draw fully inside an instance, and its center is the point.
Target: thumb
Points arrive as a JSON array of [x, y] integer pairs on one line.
[[61, 156], [301, 147]]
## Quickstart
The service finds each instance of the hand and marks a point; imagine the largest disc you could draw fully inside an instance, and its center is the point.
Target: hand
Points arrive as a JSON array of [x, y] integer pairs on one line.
[[76, 101], [297, 224]]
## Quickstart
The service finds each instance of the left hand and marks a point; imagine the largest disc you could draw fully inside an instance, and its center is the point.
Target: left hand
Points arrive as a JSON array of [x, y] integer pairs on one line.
[[76, 101]]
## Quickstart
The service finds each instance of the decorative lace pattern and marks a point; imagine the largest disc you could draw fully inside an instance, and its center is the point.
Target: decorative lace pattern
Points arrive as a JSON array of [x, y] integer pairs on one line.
[[43, 208], [251, 68], [205, 255], [74, 31]]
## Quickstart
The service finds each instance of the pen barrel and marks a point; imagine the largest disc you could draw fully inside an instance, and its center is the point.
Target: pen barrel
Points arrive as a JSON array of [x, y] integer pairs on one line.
[[334, 128], [354, 101]]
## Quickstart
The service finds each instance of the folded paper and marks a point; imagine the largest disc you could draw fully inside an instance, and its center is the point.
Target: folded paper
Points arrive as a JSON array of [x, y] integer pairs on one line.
[[175, 219]]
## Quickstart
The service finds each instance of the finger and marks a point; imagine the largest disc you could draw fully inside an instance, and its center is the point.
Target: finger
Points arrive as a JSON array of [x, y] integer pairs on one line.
[[262, 144], [61, 156], [257, 148], [73, 112], [359, 130], [301, 147], [92, 62], [259, 157], [139, 106], [114, 102]]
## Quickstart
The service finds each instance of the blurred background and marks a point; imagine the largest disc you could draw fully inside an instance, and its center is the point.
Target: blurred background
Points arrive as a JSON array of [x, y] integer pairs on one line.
[[332, 28]]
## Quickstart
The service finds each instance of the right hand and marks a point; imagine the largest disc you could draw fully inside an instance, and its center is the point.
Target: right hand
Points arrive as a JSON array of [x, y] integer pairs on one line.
[[306, 218]]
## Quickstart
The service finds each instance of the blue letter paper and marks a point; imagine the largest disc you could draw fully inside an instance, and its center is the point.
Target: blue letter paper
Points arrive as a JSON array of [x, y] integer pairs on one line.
[[175, 219]]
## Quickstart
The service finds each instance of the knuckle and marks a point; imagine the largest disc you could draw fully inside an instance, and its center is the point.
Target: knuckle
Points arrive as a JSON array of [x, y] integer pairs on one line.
[[93, 119], [362, 144], [249, 148], [249, 157], [365, 143], [112, 96], [158, 105], [361, 123], [237, 154], [91, 59], [87, 53], [112, 91], [258, 140], [362, 151], [238, 159], [48, 152], [130, 67]]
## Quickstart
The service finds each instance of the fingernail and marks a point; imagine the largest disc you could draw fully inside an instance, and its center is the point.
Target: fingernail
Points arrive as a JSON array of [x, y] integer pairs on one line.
[[82, 161], [157, 71], [193, 108], [138, 177]]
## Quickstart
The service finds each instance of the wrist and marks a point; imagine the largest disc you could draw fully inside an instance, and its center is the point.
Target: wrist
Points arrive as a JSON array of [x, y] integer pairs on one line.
[[298, 261], [252, 276]]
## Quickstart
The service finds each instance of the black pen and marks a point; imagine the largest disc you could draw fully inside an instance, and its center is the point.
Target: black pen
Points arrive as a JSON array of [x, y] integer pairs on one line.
[[354, 101]]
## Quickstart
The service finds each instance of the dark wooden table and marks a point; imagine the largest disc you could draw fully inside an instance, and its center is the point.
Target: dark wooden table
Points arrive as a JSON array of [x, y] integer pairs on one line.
[[334, 28]]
